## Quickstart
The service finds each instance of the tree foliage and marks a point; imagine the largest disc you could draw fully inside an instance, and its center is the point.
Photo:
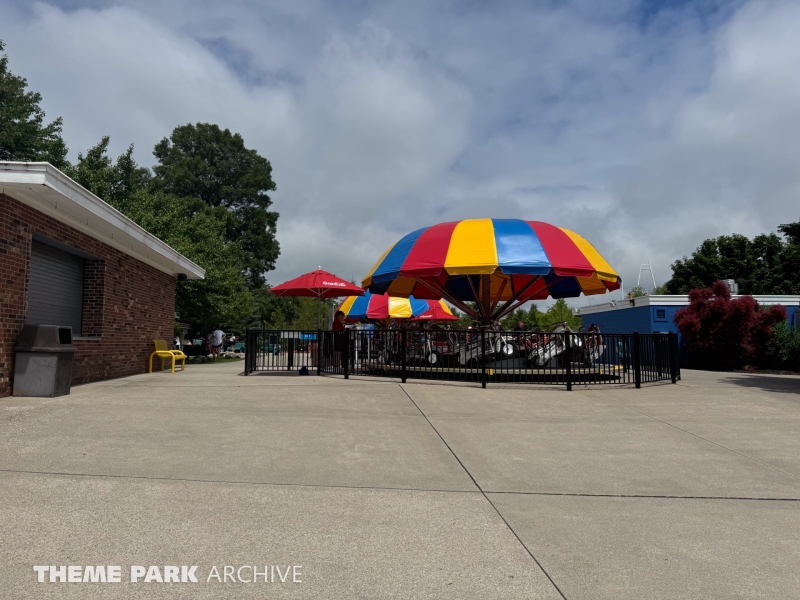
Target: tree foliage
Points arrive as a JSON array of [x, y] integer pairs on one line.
[[24, 136], [767, 264], [722, 333], [558, 312], [223, 297], [213, 165], [637, 292], [782, 351], [530, 318]]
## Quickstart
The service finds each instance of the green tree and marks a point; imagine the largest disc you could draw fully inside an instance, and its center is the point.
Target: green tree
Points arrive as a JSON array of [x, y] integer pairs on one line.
[[23, 133], [637, 292], [767, 264], [464, 320], [223, 297], [311, 313], [559, 312], [531, 318], [271, 310], [510, 321], [782, 351], [213, 165], [116, 183]]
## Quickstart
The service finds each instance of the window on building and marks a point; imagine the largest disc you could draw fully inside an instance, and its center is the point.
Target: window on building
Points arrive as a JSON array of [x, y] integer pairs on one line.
[[661, 314]]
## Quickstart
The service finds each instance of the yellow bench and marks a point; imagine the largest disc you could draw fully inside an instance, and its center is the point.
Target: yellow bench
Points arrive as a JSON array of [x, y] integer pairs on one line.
[[165, 353]]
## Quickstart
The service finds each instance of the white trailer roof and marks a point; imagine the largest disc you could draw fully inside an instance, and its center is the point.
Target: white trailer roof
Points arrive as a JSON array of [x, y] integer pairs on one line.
[[621, 304]]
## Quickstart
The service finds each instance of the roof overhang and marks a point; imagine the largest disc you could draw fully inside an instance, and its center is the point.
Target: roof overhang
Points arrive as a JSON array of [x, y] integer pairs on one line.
[[46, 189]]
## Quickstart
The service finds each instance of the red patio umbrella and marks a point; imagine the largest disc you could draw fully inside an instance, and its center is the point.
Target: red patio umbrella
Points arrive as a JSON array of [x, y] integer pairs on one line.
[[318, 284]]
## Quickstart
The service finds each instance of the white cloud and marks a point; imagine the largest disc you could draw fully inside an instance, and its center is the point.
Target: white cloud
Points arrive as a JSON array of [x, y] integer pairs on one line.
[[368, 125], [645, 132], [730, 161]]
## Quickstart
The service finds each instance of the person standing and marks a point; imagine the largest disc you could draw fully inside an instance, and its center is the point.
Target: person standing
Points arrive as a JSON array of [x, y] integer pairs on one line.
[[339, 337], [216, 342]]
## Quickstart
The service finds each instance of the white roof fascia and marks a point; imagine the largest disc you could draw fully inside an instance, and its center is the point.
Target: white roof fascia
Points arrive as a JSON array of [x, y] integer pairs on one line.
[[46, 189], [679, 300]]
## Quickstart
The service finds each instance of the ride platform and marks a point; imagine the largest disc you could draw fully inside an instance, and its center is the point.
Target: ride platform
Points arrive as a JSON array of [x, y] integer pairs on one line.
[[497, 372]]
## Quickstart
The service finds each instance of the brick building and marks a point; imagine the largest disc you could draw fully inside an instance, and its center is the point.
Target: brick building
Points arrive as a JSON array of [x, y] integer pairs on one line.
[[67, 256]]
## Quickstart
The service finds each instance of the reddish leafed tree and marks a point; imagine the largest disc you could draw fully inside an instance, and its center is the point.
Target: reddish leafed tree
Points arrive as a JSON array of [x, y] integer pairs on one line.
[[725, 334]]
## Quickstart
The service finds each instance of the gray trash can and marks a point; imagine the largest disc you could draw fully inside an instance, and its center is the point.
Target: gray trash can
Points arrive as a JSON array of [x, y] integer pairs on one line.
[[43, 363]]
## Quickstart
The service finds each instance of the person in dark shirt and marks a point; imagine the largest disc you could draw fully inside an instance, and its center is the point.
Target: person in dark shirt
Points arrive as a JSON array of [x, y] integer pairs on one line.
[[339, 340]]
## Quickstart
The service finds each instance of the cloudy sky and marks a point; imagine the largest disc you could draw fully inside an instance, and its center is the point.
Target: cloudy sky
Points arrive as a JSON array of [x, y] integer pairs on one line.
[[647, 126]]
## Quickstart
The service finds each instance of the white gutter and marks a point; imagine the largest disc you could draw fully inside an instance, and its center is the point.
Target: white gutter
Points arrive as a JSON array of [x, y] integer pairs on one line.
[[46, 189]]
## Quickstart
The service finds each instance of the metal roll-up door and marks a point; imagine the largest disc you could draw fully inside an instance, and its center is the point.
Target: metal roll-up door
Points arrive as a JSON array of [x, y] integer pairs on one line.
[[55, 288]]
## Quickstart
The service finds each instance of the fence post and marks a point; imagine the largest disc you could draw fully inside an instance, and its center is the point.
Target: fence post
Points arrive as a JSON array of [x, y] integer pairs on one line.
[[246, 353], [673, 357], [403, 353], [637, 363], [290, 353], [483, 356], [346, 354], [319, 351], [567, 360]]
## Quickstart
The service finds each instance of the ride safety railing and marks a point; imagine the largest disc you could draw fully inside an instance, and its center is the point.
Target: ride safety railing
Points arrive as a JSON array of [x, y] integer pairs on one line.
[[483, 356]]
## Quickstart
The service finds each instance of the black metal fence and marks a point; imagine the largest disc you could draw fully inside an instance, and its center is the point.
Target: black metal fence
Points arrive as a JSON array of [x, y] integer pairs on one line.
[[482, 356]]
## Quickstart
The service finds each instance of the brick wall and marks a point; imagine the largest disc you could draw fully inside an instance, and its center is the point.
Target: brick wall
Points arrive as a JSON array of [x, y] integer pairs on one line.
[[127, 303]]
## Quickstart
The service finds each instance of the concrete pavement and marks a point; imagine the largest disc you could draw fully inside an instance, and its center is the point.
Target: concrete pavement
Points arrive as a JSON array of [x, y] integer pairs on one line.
[[382, 490]]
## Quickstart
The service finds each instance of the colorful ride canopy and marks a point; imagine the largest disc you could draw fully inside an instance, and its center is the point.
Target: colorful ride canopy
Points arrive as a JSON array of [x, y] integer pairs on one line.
[[381, 307], [490, 261]]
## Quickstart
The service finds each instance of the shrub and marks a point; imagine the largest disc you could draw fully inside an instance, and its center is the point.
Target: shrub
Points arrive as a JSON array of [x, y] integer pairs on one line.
[[782, 351]]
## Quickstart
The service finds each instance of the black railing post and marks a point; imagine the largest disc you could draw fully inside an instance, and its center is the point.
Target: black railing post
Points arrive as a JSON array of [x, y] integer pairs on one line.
[[403, 353], [290, 352], [673, 357], [568, 360], [346, 354], [246, 353], [252, 350], [319, 351], [483, 357], [637, 363]]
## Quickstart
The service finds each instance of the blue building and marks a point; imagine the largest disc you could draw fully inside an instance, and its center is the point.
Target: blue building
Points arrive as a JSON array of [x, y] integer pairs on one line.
[[656, 314]]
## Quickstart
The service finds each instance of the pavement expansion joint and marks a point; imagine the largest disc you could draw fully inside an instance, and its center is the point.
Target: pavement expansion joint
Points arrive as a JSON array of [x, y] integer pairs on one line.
[[643, 496], [234, 482], [499, 514]]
